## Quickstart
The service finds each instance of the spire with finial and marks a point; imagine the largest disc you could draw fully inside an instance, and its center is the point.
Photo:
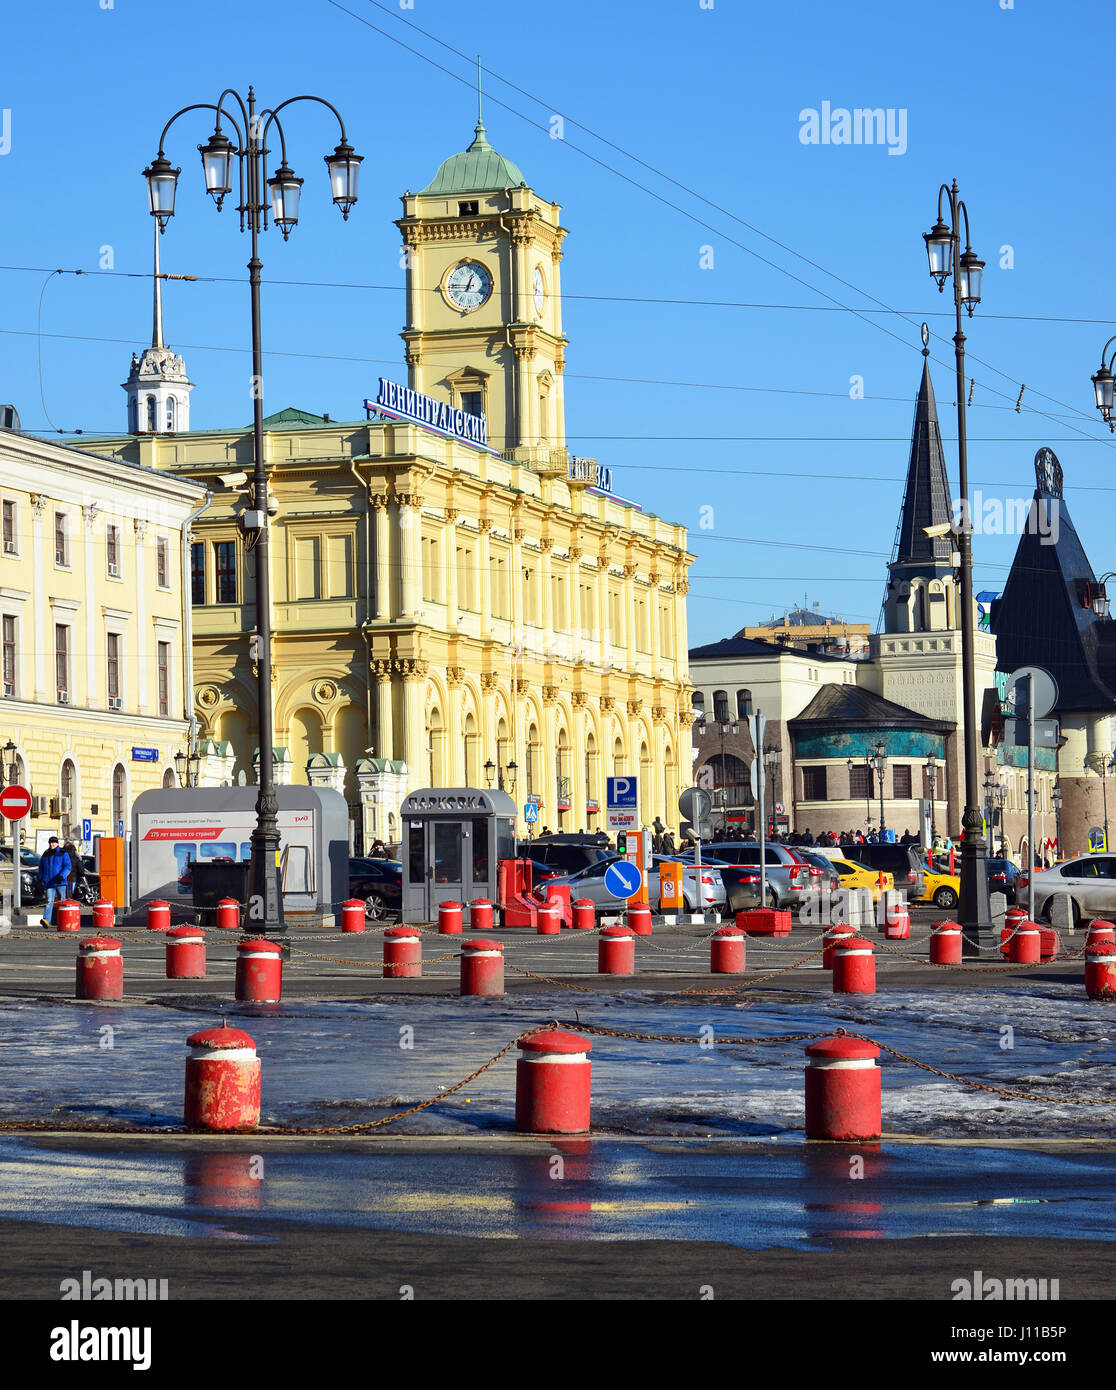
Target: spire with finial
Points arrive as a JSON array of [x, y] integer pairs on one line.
[[158, 388], [480, 135]]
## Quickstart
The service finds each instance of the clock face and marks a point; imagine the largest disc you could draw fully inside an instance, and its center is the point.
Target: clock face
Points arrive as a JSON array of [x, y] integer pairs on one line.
[[468, 285], [539, 290]]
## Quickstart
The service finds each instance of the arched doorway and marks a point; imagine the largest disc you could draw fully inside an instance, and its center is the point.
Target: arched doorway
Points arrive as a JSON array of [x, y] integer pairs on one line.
[[562, 782], [169, 778], [436, 747], [119, 799], [472, 751], [68, 799]]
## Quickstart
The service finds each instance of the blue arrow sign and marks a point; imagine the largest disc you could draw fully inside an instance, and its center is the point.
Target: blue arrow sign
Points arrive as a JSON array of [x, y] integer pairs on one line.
[[622, 879]]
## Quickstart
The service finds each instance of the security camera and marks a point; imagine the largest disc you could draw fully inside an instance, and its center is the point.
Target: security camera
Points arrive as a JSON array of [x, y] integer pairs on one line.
[[942, 528], [232, 479]]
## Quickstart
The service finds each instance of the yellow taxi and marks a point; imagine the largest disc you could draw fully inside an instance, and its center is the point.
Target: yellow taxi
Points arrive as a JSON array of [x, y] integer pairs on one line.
[[860, 876], [940, 888]]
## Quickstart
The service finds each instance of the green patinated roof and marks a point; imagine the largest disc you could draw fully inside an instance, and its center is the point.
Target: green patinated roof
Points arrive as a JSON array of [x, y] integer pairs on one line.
[[478, 170], [293, 416]]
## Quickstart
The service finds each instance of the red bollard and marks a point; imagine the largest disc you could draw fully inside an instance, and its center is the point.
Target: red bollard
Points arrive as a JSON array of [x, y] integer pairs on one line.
[[553, 1083], [727, 949], [616, 951], [584, 914], [945, 944], [402, 953], [897, 923], [854, 966], [482, 967], [449, 919], [1100, 932], [843, 1091], [1014, 918], [186, 954], [548, 919], [1025, 947], [352, 915], [480, 915], [764, 921], [158, 915], [104, 915], [1100, 972], [1050, 944], [259, 971], [67, 915], [228, 914], [830, 940], [100, 969], [639, 918], [222, 1080]]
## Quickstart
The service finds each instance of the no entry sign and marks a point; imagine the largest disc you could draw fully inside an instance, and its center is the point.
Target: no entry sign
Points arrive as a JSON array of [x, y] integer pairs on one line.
[[15, 802]]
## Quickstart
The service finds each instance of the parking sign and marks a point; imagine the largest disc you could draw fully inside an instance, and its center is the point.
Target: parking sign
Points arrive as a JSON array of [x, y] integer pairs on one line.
[[86, 831], [622, 798]]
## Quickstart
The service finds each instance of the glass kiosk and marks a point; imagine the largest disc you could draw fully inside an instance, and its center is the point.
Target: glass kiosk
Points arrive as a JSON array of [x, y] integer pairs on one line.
[[453, 841]]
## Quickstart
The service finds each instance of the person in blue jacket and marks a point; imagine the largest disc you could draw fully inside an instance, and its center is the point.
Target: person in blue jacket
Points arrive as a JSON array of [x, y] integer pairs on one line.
[[54, 870]]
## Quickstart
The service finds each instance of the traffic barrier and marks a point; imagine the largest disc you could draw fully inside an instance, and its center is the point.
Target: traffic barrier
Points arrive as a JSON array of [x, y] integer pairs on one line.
[[402, 954], [829, 943], [553, 1083], [584, 915], [549, 919], [854, 966], [1024, 948], [185, 953], [100, 969], [1099, 932], [1050, 943], [843, 1090], [639, 918], [222, 1081], [727, 951], [352, 915], [259, 971], [897, 923], [449, 919], [1014, 918], [616, 951], [67, 915], [104, 915], [228, 914], [764, 921], [158, 915], [480, 915], [1100, 971], [482, 967], [945, 944]]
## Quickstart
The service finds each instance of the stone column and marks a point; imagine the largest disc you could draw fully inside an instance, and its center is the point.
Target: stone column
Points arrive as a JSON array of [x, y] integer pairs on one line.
[[92, 645], [547, 615], [385, 722], [484, 576], [449, 554], [144, 704], [578, 813], [380, 566], [409, 523], [454, 732], [604, 609], [39, 606], [414, 724], [653, 601]]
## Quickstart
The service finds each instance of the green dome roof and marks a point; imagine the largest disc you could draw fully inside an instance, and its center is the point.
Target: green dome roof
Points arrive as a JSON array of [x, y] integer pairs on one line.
[[478, 170]]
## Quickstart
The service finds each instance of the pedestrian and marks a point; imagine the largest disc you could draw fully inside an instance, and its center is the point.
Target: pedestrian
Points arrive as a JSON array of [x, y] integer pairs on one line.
[[54, 866], [76, 875]]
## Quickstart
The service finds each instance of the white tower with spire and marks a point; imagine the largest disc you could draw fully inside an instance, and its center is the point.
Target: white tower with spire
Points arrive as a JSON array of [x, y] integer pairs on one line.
[[157, 386]]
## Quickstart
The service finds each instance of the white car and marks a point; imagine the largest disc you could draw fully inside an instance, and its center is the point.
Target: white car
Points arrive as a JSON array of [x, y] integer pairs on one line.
[[1089, 879]]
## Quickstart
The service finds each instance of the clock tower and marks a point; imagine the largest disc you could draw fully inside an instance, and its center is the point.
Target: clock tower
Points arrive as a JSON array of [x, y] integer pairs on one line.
[[484, 309]]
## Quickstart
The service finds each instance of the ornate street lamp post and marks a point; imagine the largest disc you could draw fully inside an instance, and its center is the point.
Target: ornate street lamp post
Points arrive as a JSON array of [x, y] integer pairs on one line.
[[725, 728], [879, 763], [284, 188], [931, 768], [943, 249]]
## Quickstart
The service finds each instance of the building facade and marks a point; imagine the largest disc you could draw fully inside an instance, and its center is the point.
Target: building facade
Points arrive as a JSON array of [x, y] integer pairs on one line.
[[455, 599], [94, 630]]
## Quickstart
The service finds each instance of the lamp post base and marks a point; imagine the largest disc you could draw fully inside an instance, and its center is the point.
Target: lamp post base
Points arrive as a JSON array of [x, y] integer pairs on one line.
[[978, 931]]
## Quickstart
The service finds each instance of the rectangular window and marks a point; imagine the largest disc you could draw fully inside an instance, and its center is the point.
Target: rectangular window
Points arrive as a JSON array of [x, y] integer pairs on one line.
[[531, 597], [642, 627], [588, 611], [901, 783], [112, 550], [432, 570], [813, 784], [616, 617], [11, 545], [339, 555], [163, 670], [224, 563], [62, 663], [8, 634], [307, 550], [472, 402], [466, 580], [162, 562], [559, 619], [112, 665], [666, 646], [860, 783], [61, 540], [499, 585], [197, 572]]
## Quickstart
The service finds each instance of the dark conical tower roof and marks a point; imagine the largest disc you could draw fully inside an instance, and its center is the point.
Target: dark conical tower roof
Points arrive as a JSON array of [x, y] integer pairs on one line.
[[927, 500]]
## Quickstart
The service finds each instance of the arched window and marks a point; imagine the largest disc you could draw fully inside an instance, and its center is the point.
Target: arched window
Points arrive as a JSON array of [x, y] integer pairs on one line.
[[170, 412], [119, 797], [732, 789], [743, 704], [169, 778], [67, 789], [721, 707], [152, 418], [619, 762], [133, 416], [591, 766], [697, 704], [534, 761]]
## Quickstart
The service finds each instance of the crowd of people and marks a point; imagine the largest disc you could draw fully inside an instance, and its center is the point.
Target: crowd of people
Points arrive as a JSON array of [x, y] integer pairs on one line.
[[61, 872]]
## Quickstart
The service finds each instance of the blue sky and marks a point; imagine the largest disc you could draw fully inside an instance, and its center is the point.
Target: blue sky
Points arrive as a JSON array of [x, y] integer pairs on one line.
[[765, 431]]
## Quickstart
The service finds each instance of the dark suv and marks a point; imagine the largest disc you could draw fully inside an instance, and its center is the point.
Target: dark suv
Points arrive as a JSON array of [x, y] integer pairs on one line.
[[900, 860], [566, 854]]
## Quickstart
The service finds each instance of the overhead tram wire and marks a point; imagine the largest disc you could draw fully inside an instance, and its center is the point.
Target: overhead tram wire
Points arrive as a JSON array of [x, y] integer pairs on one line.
[[692, 193]]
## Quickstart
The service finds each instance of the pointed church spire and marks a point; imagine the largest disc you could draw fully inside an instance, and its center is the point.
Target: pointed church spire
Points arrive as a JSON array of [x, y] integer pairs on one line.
[[158, 388], [927, 500]]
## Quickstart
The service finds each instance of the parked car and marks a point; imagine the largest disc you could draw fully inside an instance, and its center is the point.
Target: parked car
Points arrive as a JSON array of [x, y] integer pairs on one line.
[[1089, 879], [566, 854], [30, 884], [830, 878], [853, 874], [379, 882], [742, 883], [705, 895], [901, 861], [941, 889], [1003, 877], [788, 874]]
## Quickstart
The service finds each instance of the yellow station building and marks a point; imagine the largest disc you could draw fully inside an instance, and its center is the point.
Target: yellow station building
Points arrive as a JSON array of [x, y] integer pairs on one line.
[[456, 599]]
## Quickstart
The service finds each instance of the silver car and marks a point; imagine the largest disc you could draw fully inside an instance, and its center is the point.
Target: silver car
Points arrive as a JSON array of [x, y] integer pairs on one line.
[[1090, 881], [706, 896], [789, 877]]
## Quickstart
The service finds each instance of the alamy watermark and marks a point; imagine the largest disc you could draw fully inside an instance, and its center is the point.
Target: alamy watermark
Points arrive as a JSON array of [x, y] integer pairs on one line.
[[863, 125], [1008, 516]]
